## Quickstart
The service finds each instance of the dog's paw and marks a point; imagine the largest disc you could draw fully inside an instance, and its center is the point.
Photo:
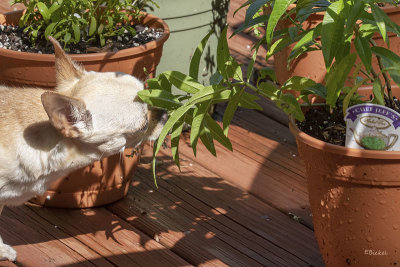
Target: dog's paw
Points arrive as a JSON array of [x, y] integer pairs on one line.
[[7, 253]]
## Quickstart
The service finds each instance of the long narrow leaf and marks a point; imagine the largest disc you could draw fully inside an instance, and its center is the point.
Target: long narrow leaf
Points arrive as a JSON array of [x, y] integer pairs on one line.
[[250, 66], [243, 5], [277, 46], [337, 77], [364, 51], [207, 139], [159, 98], [379, 17], [332, 30], [308, 36], [289, 104], [197, 124], [278, 10], [378, 93], [223, 55], [195, 62], [254, 8], [231, 109], [183, 82], [251, 23], [217, 132], [175, 135], [249, 101]]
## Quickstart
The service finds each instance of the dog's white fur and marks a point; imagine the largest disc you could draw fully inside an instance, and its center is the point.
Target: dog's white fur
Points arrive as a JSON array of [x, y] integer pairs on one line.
[[47, 134]]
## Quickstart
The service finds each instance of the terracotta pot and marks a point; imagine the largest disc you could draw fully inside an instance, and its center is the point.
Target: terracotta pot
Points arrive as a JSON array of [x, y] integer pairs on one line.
[[31, 69], [311, 64], [107, 180], [101, 183], [355, 203]]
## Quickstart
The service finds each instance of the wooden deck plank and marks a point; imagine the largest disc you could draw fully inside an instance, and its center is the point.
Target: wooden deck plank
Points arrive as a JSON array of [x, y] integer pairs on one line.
[[111, 238], [34, 246], [246, 210], [176, 228], [229, 213], [282, 189]]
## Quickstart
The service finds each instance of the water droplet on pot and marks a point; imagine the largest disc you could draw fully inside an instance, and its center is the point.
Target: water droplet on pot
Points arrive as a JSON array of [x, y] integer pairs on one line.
[[369, 239], [322, 203], [350, 221], [382, 201], [340, 222], [395, 226]]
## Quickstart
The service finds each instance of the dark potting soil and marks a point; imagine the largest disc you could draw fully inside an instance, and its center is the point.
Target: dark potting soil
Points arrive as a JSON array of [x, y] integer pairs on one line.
[[323, 125], [14, 38], [328, 127]]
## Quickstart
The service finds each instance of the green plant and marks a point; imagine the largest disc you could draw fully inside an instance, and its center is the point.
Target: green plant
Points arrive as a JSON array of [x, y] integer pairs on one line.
[[71, 21], [346, 24]]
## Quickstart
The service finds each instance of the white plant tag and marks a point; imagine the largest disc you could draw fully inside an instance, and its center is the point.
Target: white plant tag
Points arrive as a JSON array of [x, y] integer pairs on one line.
[[370, 126]]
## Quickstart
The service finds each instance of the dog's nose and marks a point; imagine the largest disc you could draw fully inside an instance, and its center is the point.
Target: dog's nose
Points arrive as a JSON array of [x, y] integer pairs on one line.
[[164, 117]]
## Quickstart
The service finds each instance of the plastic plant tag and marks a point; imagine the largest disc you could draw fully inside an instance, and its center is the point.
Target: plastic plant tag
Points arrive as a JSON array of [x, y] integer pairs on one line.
[[370, 126]]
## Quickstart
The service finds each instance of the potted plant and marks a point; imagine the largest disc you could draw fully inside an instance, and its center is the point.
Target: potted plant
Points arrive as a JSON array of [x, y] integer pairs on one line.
[[110, 30], [353, 192], [311, 63]]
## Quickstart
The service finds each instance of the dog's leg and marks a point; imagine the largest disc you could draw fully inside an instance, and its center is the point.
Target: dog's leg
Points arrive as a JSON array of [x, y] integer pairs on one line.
[[6, 251]]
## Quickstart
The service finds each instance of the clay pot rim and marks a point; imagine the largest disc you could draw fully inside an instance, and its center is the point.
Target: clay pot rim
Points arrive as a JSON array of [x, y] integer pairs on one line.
[[139, 50], [340, 150]]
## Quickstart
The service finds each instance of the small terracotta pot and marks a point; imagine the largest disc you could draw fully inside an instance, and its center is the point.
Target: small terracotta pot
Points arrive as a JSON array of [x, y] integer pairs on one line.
[[355, 201], [107, 180], [101, 183]]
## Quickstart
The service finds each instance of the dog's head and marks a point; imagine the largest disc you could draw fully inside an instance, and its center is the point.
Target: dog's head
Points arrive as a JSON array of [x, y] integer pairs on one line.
[[99, 109]]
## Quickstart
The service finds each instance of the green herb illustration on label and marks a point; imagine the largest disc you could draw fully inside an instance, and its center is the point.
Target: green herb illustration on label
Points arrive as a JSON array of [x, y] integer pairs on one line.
[[373, 142]]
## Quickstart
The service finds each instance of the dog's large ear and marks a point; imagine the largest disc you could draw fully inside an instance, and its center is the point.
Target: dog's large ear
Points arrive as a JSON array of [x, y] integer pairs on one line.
[[68, 115], [67, 71]]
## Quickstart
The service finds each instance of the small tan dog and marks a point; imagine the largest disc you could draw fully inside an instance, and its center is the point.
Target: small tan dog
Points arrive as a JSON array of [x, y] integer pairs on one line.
[[47, 134]]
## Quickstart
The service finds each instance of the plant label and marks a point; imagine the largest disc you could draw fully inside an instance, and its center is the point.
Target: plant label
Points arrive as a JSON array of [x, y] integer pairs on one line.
[[370, 126]]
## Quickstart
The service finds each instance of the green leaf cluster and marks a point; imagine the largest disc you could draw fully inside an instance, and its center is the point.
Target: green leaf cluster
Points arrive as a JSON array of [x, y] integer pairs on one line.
[[72, 21], [344, 37], [192, 104]]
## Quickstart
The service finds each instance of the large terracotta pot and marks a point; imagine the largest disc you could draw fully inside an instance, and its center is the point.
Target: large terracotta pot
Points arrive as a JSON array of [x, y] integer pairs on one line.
[[107, 180], [19, 68], [311, 64], [355, 201]]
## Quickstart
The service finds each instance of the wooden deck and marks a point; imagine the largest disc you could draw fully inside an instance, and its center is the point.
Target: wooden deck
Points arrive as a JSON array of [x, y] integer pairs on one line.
[[246, 208]]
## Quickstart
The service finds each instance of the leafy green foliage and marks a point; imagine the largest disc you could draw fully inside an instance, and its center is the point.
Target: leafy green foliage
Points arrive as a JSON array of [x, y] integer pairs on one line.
[[71, 21], [344, 37]]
